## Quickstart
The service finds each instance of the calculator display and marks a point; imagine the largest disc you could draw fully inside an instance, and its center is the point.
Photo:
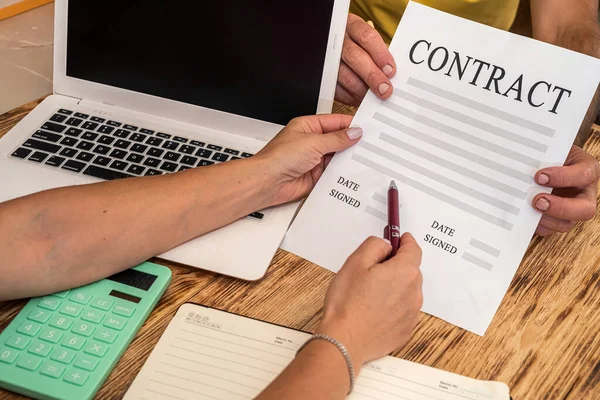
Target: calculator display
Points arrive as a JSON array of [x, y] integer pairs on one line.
[[124, 296], [136, 279]]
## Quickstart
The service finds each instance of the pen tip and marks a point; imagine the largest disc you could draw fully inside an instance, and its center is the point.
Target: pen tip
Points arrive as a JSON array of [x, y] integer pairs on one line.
[[393, 185]]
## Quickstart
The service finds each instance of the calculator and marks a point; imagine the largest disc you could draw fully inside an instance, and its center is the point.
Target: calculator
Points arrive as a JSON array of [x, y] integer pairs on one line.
[[65, 345]]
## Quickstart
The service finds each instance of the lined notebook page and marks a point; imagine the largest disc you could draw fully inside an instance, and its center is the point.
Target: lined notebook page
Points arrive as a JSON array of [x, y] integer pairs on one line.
[[211, 354]]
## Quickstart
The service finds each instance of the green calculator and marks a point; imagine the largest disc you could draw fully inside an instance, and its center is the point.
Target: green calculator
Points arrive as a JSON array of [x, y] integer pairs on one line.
[[65, 345]]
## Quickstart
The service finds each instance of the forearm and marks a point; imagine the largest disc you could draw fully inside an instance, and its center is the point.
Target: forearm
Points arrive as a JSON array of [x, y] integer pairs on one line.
[[72, 236]]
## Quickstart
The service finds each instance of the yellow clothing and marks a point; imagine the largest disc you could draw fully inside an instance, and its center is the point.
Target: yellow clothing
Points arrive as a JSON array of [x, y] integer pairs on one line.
[[386, 14]]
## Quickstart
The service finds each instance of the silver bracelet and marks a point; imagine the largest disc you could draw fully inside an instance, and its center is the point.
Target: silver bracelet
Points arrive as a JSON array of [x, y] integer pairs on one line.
[[341, 348]]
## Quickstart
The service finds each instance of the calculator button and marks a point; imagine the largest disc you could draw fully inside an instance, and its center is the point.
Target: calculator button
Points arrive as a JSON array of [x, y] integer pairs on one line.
[[29, 328], [92, 316], [58, 321], [49, 303], [38, 315], [86, 362], [71, 309], [96, 349], [40, 348], [83, 328], [123, 310], [62, 295], [76, 377], [29, 361], [7, 355], [102, 304], [115, 323], [63, 355], [73, 342], [80, 296], [51, 335], [51, 369], [106, 335], [18, 342]]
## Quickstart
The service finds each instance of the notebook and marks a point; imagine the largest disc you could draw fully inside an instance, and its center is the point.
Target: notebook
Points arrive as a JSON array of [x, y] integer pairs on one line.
[[211, 354]]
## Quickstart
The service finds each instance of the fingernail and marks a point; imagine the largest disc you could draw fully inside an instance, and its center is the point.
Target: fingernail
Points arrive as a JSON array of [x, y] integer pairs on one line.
[[383, 88], [388, 69], [354, 133], [542, 204], [543, 179], [387, 241]]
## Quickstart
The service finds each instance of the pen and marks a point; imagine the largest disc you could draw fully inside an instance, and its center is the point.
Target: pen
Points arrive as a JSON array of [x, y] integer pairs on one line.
[[392, 230]]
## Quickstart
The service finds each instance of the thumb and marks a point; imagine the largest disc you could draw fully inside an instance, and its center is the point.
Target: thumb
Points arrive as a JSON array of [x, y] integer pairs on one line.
[[333, 142]]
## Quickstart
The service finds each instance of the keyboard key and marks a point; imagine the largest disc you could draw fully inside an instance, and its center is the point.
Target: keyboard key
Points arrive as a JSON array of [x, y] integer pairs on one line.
[[29, 362], [106, 129], [52, 369], [58, 118], [120, 154], [154, 152], [136, 158], [168, 166], [107, 140], [119, 165], [7, 355], [98, 119], [102, 303], [39, 315], [63, 294], [40, 348], [115, 323], [246, 155], [61, 322], [89, 136], [214, 147], [76, 376], [180, 139], [231, 151], [235, 158], [52, 127], [197, 143], [43, 146], [73, 342], [101, 149], [114, 123], [154, 141], [122, 133], [72, 165], [137, 137], [55, 161], [18, 342], [220, 157], [146, 131], [96, 349], [104, 161], [69, 141], [80, 296], [163, 135], [50, 137], [136, 170], [106, 335], [139, 148], [38, 157], [83, 145], [49, 303], [82, 115], [90, 125], [71, 309], [63, 355], [122, 144], [93, 316], [172, 156], [204, 163], [83, 156], [51, 335], [68, 152], [66, 112], [73, 132], [182, 169], [83, 328], [170, 145], [74, 121], [105, 174], [86, 362], [152, 172], [125, 311], [21, 152], [189, 160], [187, 149], [152, 162], [204, 153], [130, 127]]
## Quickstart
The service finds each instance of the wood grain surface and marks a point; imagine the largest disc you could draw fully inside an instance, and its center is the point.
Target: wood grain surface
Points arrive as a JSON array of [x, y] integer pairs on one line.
[[543, 342]]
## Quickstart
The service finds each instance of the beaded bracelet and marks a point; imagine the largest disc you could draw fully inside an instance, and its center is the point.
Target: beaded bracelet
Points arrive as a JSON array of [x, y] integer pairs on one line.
[[342, 350]]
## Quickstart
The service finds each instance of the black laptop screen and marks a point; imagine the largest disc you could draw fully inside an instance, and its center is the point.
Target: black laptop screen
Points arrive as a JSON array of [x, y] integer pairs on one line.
[[257, 58]]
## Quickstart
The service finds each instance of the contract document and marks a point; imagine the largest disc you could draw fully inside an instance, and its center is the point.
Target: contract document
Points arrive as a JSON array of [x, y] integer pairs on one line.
[[475, 113]]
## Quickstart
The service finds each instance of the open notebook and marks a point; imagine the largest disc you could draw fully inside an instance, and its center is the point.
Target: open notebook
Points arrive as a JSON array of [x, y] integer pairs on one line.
[[211, 354]]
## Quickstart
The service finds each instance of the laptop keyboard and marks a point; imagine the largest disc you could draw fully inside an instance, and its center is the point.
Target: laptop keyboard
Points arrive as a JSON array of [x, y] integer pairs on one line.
[[108, 149]]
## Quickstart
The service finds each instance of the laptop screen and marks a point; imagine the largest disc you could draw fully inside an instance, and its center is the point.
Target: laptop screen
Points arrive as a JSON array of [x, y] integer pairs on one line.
[[261, 58]]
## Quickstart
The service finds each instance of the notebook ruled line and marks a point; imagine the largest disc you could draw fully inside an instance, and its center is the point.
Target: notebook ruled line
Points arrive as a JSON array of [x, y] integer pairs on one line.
[[214, 366]]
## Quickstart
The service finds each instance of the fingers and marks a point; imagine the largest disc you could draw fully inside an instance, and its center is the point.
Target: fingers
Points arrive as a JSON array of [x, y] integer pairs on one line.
[[371, 41], [409, 251], [372, 251], [580, 170], [322, 123], [350, 89], [549, 225], [582, 207], [336, 141]]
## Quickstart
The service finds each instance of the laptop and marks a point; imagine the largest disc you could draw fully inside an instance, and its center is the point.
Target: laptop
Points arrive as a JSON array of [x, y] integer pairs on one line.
[[148, 87]]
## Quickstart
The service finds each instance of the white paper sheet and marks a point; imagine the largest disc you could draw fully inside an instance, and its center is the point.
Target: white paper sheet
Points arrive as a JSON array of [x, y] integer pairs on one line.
[[462, 156], [210, 354]]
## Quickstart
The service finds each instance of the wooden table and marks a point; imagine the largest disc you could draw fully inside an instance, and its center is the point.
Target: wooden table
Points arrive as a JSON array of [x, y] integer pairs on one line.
[[544, 341]]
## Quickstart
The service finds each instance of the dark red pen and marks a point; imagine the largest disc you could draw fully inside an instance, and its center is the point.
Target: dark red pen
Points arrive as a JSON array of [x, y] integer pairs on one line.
[[392, 230]]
